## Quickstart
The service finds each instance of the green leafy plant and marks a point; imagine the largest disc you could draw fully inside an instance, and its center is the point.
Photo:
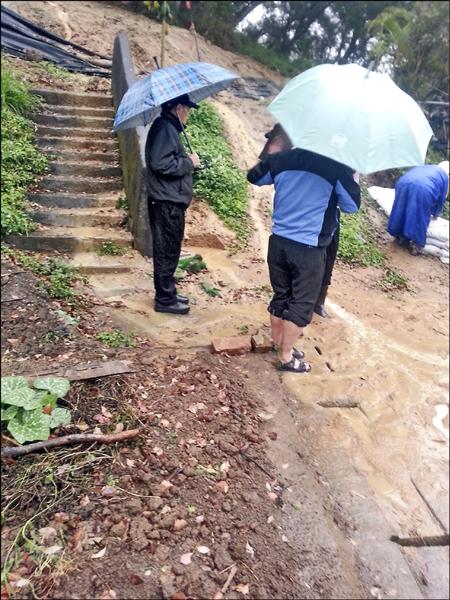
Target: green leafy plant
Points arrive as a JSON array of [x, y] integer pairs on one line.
[[58, 276], [111, 249], [393, 280], [222, 185], [30, 413], [211, 291], [122, 203], [115, 339]]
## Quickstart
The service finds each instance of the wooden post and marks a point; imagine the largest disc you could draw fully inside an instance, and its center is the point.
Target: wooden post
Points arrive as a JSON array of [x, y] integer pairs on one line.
[[163, 32]]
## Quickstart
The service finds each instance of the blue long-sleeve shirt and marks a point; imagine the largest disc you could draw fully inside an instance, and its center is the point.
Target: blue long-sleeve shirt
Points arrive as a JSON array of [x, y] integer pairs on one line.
[[308, 190]]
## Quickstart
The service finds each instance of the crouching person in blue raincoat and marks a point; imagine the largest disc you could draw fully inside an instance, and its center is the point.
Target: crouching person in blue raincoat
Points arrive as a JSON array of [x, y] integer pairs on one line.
[[419, 196]]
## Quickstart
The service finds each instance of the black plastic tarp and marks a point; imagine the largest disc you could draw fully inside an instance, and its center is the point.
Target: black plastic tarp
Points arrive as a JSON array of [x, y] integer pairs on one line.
[[18, 35]]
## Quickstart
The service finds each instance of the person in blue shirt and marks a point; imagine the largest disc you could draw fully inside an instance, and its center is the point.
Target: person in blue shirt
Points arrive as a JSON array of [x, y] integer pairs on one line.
[[419, 196], [309, 189]]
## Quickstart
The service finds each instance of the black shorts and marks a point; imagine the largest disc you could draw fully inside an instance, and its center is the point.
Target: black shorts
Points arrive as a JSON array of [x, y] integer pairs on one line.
[[296, 272]]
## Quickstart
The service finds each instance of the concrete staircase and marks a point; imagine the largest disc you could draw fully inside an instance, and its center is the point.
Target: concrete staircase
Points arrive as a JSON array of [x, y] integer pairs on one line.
[[75, 202]]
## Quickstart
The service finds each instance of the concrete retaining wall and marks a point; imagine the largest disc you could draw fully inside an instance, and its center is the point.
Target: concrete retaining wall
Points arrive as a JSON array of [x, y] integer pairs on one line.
[[132, 149]]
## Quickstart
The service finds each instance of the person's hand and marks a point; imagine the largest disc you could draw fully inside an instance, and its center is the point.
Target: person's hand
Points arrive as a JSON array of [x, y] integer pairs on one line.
[[195, 160]]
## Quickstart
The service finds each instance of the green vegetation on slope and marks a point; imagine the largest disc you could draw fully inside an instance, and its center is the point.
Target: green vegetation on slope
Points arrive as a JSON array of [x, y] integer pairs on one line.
[[21, 162], [222, 185], [357, 244]]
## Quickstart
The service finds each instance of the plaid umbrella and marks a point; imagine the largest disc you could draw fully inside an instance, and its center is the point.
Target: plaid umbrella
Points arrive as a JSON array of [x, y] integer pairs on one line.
[[141, 103]]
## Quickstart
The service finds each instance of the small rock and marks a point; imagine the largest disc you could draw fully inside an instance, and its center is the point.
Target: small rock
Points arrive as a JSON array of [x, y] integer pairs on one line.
[[178, 569], [249, 497], [179, 524], [154, 503], [227, 447], [118, 530], [189, 472], [222, 558], [226, 507], [273, 435], [167, 522], [139, 529], [108, 491], [134, 506], [154, 535]]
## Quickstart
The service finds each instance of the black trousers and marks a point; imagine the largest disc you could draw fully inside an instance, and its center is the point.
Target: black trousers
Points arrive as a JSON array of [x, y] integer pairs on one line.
[[332, 251], [296, 274], [167, 227]]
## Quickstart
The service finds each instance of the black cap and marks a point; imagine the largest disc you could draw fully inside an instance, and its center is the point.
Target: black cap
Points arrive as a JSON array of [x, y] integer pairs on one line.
[[183, 99]]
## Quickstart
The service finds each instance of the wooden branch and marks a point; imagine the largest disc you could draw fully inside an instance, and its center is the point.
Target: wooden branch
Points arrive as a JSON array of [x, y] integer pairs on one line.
[[66, 440]]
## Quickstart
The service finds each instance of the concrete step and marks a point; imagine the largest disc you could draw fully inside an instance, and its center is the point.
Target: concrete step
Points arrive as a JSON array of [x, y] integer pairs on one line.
[[75, 155], [89, 185], [79, 217], [90, 263], [51, 142], [81, 122], [78, 111], [87, 169], [61, 200], [65, 239], [73, 132], [59, 97]]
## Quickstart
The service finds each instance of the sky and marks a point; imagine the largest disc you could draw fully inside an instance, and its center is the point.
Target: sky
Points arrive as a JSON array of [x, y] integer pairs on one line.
[[252, 18]]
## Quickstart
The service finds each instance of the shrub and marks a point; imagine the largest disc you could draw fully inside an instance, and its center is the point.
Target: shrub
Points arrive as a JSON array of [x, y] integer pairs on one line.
[[20, 160]]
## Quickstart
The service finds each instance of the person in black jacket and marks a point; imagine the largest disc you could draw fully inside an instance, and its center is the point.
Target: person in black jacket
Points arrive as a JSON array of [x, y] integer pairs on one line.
[[169, 186]]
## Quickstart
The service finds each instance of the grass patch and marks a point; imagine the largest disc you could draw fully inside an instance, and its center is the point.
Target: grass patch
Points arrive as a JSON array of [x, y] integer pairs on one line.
[[357, 242], [210, 291], [115, 339], [21, 162], [55, 71], [393, 280], [222, 185], [111, 249]]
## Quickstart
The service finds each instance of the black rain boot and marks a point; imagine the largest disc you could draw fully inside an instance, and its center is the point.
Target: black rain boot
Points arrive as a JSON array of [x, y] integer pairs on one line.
[[320, 303]]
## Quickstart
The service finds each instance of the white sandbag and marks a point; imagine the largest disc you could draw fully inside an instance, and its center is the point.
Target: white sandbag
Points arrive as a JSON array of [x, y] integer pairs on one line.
[[384, 197], [438, 229], [441, 253]]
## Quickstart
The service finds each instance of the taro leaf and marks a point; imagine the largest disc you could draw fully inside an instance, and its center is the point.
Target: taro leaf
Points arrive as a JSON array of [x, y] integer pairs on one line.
[[15, 391], [59, 416], [55, 385], [12, 383], [9, 413], [34, 425]]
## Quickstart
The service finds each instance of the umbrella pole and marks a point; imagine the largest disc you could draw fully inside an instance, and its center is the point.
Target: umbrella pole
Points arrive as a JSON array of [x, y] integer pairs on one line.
[[185, 135]]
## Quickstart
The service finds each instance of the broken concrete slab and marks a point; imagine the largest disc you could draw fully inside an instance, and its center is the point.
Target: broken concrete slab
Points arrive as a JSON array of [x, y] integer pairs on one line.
[[232, 345], [261, 343]]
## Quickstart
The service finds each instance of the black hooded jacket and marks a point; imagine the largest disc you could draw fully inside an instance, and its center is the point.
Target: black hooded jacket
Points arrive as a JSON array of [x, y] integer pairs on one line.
[[169, 170]]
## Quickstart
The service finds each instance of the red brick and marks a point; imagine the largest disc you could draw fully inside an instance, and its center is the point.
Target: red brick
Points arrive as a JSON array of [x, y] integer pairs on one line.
[[232, 345]]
